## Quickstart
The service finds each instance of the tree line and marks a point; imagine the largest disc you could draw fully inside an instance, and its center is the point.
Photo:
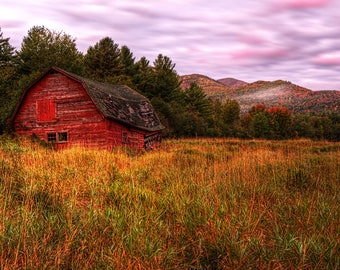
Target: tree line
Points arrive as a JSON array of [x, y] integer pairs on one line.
[[184, 112]]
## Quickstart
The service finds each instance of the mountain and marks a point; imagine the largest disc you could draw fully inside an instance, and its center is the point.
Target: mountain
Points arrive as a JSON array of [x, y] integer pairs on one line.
[[231, 82], [271, 93], [210, 86]]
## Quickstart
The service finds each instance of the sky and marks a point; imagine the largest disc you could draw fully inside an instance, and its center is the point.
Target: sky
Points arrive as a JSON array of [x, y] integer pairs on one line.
[[250, 40]]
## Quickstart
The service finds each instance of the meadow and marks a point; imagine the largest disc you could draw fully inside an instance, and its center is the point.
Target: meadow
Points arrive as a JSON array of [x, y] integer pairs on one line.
[[192, 204]]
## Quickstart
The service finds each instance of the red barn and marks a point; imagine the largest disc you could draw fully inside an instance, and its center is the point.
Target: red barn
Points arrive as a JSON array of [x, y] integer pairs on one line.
[[67, 110]]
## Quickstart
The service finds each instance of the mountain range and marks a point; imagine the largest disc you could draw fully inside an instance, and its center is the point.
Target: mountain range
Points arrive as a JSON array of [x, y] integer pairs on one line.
[[270, 93]]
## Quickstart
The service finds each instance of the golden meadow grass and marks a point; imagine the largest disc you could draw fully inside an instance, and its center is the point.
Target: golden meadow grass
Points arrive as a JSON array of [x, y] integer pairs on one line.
[[193, 204]]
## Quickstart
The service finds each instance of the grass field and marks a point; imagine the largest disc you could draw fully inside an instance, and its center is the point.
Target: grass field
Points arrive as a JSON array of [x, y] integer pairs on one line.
[[193, 204]]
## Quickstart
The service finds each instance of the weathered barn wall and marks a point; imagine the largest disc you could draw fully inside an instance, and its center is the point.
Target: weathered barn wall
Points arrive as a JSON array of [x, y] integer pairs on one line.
[[118, 134], [59, 108], [73, 112]]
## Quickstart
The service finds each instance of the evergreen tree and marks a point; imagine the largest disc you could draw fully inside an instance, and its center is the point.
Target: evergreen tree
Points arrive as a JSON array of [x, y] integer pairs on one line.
[[144, 79], [127, 61], [196, 112], [161, 85], [8, 59], [166, 79], [8, 65], [127, 69], [102, 61], [196, 100]]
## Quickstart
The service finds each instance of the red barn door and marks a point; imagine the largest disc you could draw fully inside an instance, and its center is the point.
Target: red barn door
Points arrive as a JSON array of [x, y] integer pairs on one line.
[[46, 110]]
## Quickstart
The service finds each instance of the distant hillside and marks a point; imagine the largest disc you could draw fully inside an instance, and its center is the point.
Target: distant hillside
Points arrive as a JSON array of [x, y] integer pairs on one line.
[[210, 86], [231, 82], [275, 93]]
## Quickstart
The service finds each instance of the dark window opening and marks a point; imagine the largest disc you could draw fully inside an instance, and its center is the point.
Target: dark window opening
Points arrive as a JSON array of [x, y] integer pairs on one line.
[[62, 136], [57, 137], [51, 137]]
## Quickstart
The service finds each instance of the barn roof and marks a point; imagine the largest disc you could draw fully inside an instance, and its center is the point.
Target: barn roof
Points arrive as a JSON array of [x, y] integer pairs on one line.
[[117, 102]]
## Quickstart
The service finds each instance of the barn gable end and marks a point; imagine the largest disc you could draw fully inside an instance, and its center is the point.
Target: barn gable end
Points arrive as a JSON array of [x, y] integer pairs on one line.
[[69, 110]]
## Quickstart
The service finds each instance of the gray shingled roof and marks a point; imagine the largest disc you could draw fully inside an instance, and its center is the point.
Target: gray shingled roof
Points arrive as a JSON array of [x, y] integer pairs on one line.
[[120, 103]]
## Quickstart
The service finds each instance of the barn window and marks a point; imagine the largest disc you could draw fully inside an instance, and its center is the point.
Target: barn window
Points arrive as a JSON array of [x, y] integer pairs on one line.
[[46, 110], [57, 137], [51, 137], [62, 136], [124, 137]]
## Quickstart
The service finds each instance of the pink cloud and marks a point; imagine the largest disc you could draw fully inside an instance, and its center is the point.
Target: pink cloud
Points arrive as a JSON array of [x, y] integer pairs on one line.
[[252, 39], [328, 60], [250, 54], [302, 4]]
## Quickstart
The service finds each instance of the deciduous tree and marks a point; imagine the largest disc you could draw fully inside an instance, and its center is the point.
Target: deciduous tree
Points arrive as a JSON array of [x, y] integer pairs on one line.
[[281, 122], [270, 123]]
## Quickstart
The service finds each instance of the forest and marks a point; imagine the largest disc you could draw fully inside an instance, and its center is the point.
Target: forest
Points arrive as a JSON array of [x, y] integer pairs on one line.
[[184, 112]]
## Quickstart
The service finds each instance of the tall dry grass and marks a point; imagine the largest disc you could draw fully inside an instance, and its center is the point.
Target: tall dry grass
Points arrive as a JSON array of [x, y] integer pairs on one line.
[[193, 204]]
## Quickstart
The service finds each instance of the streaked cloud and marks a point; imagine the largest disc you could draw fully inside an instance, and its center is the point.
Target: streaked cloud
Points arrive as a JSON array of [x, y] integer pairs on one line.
[[328, 59], [296, 40]]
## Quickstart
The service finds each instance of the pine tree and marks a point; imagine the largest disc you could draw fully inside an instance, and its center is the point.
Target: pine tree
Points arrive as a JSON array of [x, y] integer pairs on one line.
[[8, 58], [166, 80], [102, 61], [127, 61], [144, 79], [196, 99], [226, 118], [8, 65], [126, 70]]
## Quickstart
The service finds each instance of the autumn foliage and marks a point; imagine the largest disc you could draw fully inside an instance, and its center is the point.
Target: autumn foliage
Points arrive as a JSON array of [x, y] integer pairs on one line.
[[269, 123]]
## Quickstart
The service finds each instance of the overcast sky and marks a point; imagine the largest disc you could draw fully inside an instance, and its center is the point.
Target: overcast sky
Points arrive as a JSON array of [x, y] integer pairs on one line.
[[295, 40]]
